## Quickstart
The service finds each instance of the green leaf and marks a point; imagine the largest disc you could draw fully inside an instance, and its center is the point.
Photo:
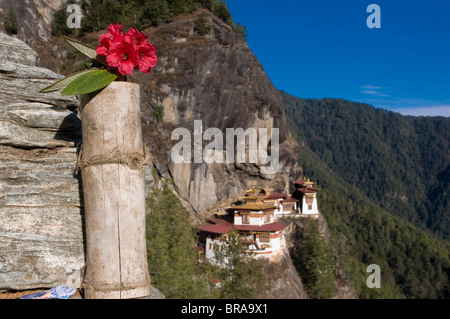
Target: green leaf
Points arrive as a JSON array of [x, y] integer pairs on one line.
[[82, 47], [61, 84], [89, 82]]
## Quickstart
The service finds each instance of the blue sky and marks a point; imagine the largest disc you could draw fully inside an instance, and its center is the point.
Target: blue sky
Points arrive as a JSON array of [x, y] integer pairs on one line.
[[323, 48]]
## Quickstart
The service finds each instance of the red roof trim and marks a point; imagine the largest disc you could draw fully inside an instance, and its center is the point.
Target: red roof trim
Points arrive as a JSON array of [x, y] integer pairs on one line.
[[272, 227], [222, 226], [216, 228]]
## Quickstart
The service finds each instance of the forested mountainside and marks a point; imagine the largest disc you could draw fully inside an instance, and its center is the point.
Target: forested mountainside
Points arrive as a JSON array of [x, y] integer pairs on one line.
[[35, 20], [401, 162], [384, 181]]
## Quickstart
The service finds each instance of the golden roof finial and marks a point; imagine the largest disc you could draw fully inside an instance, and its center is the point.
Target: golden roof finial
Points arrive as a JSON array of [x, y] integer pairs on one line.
[[219, 212], [253, 190], [267, 190]]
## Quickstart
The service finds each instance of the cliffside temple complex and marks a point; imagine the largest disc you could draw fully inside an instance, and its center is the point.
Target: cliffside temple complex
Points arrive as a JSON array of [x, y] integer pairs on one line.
[[308, 196], [255, 217]]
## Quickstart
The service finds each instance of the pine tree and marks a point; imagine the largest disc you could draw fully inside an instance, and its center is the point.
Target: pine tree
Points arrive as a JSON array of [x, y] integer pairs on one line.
[[241, 31], [240, 274], [221, 11], [317, 265], [202, 25], [171, 248], [10, 24], [156, 12], [59, 23]]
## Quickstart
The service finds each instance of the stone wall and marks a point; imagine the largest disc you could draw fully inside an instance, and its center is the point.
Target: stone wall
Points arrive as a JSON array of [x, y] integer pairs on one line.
[[41, 231]]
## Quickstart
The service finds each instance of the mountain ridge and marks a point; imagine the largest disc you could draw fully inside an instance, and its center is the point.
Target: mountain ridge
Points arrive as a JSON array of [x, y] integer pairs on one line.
[[414, 262], [398, 161]]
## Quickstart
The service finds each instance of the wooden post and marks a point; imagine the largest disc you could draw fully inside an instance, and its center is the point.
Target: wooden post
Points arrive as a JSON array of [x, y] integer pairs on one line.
[[113, 178]]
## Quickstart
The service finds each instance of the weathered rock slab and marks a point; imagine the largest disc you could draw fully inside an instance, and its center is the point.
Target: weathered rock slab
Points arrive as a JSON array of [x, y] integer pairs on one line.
[[41, 220]]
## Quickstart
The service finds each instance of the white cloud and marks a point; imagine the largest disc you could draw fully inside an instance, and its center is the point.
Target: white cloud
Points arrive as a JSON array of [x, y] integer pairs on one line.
[[371, 87], [376, 93], [373, 90]]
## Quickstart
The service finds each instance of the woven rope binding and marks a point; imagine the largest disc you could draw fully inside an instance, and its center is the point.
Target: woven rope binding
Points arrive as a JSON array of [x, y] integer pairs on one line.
[[116, 156]]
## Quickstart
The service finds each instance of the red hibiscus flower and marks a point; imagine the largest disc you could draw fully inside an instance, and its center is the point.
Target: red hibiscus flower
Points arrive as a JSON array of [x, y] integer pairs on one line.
[[123, 55], [127, 51], [114, 35], [139, 38], [147, 58]]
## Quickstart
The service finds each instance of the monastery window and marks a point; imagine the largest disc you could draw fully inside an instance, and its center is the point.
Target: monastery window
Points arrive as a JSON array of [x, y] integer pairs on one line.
[[264, 238], [245, 219], [309, 202]]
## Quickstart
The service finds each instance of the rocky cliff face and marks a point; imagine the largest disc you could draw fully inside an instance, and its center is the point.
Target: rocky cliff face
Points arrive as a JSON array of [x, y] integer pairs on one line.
[[214, 78], [41, 234], [34, 17]]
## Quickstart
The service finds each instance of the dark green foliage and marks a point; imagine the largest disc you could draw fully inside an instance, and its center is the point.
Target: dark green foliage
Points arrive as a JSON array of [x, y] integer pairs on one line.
[[202, 25], [240, 31], [313, 260], [182, 6], [413, 263], [159, 113], [171, 248], [439, 203], [99, 14], [156, 12], [221, 11], [241, 275], [208, 4], [10, 23], [399, 161], [59, 23]]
